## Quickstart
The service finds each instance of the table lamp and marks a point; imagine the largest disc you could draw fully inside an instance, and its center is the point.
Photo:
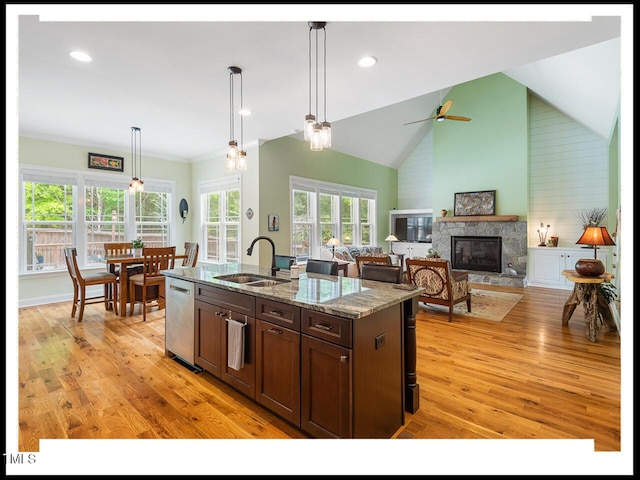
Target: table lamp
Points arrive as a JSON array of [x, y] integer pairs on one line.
[[333, 243], [593, 236], [391, 238]]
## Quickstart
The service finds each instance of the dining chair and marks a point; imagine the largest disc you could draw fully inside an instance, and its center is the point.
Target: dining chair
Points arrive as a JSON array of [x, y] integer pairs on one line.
[[82, 281], [121, 248], [151, 280], [191, 252], [284, 262], [379, 259], [328, 267], [381, 273]]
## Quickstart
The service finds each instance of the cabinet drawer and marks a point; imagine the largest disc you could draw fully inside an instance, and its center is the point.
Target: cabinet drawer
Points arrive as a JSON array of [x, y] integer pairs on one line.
[[279, 313], [327, 327], [232, 301]]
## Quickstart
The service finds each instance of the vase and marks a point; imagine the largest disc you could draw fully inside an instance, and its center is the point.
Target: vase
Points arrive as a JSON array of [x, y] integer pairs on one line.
[[443, 212], [589, 267], [137, 252]]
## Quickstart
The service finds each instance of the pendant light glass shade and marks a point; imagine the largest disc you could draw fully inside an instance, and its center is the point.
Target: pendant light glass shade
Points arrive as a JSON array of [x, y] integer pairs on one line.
[[236, 156], [317, 133], [136, 184]]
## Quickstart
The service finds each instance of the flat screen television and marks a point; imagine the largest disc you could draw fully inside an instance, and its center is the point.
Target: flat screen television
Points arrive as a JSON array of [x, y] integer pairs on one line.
[[414, 229]]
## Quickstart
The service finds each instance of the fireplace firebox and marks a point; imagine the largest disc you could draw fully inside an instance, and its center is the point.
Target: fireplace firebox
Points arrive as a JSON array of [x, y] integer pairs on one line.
[[477, 253]]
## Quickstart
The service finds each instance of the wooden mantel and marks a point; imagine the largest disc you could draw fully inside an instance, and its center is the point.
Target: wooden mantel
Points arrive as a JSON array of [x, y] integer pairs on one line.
[[479, 218]]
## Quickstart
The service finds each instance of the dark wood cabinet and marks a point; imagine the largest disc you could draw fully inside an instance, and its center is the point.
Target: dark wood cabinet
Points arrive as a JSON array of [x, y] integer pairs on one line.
[[327, 395], [331, 376], [213, 307], [352, 374], [278, 358], [278, 370]]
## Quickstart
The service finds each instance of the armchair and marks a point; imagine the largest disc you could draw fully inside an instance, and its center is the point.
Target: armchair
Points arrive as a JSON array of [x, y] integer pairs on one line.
[[443, 285]]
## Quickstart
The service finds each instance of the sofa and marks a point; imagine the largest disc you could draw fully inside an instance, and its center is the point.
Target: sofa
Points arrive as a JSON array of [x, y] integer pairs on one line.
[[347, 253]]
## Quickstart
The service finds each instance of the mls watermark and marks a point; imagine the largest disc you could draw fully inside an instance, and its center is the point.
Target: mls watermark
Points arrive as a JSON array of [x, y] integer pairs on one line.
[[19, 458]]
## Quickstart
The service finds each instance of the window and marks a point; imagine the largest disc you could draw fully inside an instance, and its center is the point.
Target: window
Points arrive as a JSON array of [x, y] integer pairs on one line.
[[68, 208], [220, 207], [321, 210]]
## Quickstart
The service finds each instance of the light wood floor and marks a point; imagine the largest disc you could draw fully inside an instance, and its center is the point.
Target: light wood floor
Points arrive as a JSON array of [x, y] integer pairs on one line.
[[526, 377]]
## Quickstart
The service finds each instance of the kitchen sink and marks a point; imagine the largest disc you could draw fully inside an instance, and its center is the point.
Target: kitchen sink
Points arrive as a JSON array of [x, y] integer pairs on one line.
[[252, 280]]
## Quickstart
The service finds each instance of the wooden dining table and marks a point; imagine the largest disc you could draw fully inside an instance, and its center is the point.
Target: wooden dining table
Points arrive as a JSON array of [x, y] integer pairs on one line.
[[123, 261]]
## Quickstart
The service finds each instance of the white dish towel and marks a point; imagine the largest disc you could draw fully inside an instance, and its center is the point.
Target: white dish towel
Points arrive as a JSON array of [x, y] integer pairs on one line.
[[235, 344]]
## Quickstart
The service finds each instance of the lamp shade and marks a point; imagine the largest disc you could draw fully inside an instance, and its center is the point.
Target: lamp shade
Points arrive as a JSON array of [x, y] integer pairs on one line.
[[391, 238], [333, 242], [595, 236]]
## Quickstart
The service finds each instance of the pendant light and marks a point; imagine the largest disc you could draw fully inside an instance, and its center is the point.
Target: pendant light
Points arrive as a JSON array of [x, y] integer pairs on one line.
[[136, 184], [316, 132], [236, 156]]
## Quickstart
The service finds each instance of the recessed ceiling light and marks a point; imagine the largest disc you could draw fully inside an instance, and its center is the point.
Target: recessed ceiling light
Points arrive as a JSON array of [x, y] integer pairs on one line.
[[80, 56], [366, 62]]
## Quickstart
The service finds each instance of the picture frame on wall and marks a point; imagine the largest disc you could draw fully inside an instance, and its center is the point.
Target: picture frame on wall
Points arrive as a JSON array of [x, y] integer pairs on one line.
[[475, 203], [105, 162], [274, 223]]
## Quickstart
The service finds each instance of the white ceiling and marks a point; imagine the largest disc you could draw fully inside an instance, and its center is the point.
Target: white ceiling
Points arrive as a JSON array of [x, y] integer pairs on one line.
[[170, 77]]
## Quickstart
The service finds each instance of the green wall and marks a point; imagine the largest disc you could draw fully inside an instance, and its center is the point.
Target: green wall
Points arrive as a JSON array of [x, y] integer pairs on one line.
[[287, 156], [488, 153]]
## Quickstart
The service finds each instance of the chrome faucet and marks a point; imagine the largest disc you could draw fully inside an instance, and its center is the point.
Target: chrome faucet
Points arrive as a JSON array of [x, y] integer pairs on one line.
[[274, 269]]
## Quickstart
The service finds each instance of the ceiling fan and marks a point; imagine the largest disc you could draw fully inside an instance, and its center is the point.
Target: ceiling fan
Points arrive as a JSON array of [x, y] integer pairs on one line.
[[441, 115]]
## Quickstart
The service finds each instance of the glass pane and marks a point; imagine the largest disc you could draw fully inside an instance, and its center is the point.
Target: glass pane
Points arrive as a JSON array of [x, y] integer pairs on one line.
[[45, 245], [48, 203], [213, 243], [347, 234], [104, 204], [233, 206], [326, 233], [364, 210], [366, 234], [302, 208], [346, 211], [327, 210], [213, 214], [301, 234], [232, 243]]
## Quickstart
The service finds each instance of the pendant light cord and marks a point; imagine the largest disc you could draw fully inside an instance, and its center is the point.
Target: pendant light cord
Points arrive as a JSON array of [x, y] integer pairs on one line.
[[310, 28], [316, 73], [231, 122], [324, 71], [241, 119]]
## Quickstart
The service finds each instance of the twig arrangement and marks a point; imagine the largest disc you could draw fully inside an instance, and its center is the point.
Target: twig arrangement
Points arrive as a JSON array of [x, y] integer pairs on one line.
[[591, 217]]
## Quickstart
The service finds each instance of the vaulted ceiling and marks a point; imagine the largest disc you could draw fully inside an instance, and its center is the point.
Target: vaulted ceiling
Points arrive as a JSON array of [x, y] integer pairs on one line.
[[163, 68]]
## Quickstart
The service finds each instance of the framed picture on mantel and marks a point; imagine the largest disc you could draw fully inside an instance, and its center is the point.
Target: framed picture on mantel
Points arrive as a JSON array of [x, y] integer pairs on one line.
[[475, 203]]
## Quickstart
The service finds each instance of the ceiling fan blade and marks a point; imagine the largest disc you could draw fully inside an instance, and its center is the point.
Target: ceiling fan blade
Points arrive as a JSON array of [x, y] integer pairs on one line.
[[418, 121], [445, 108], [455, 117]]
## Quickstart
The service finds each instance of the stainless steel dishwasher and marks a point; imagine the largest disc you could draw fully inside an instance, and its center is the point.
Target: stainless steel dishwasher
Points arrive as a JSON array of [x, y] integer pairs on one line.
[[179, 328]]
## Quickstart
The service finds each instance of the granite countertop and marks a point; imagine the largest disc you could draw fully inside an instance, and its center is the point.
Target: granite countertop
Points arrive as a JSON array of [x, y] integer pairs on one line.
[[341, 296]]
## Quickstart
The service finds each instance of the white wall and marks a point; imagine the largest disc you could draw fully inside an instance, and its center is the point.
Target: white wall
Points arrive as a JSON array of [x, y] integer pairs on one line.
[[415, 177]]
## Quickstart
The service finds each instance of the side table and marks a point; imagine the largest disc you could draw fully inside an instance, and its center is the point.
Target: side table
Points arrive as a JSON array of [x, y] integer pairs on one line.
[[586, 291]]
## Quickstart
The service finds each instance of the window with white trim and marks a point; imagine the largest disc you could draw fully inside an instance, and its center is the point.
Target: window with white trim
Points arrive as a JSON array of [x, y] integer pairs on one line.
[[85, 210], [220, 213], [321, 210]]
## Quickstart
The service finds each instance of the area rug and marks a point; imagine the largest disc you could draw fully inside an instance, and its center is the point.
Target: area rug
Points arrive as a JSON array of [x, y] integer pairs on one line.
[[485, 304]]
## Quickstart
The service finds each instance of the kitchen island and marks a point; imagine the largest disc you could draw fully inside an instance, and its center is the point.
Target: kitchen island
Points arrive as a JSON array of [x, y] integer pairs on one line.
[[335, 356]]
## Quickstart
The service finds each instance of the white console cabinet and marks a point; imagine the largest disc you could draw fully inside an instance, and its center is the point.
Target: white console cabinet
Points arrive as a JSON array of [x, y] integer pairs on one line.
[[411, 249], [547, 263]]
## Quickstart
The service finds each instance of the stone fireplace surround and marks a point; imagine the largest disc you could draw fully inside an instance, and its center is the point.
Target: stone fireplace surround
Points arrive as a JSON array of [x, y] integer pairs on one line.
[[514, 243]]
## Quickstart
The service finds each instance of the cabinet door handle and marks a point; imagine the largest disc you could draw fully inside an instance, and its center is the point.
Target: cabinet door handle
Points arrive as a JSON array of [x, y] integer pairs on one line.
[[344, 358], [219, 314], [322, 326], [275, 330], [275, 313]]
